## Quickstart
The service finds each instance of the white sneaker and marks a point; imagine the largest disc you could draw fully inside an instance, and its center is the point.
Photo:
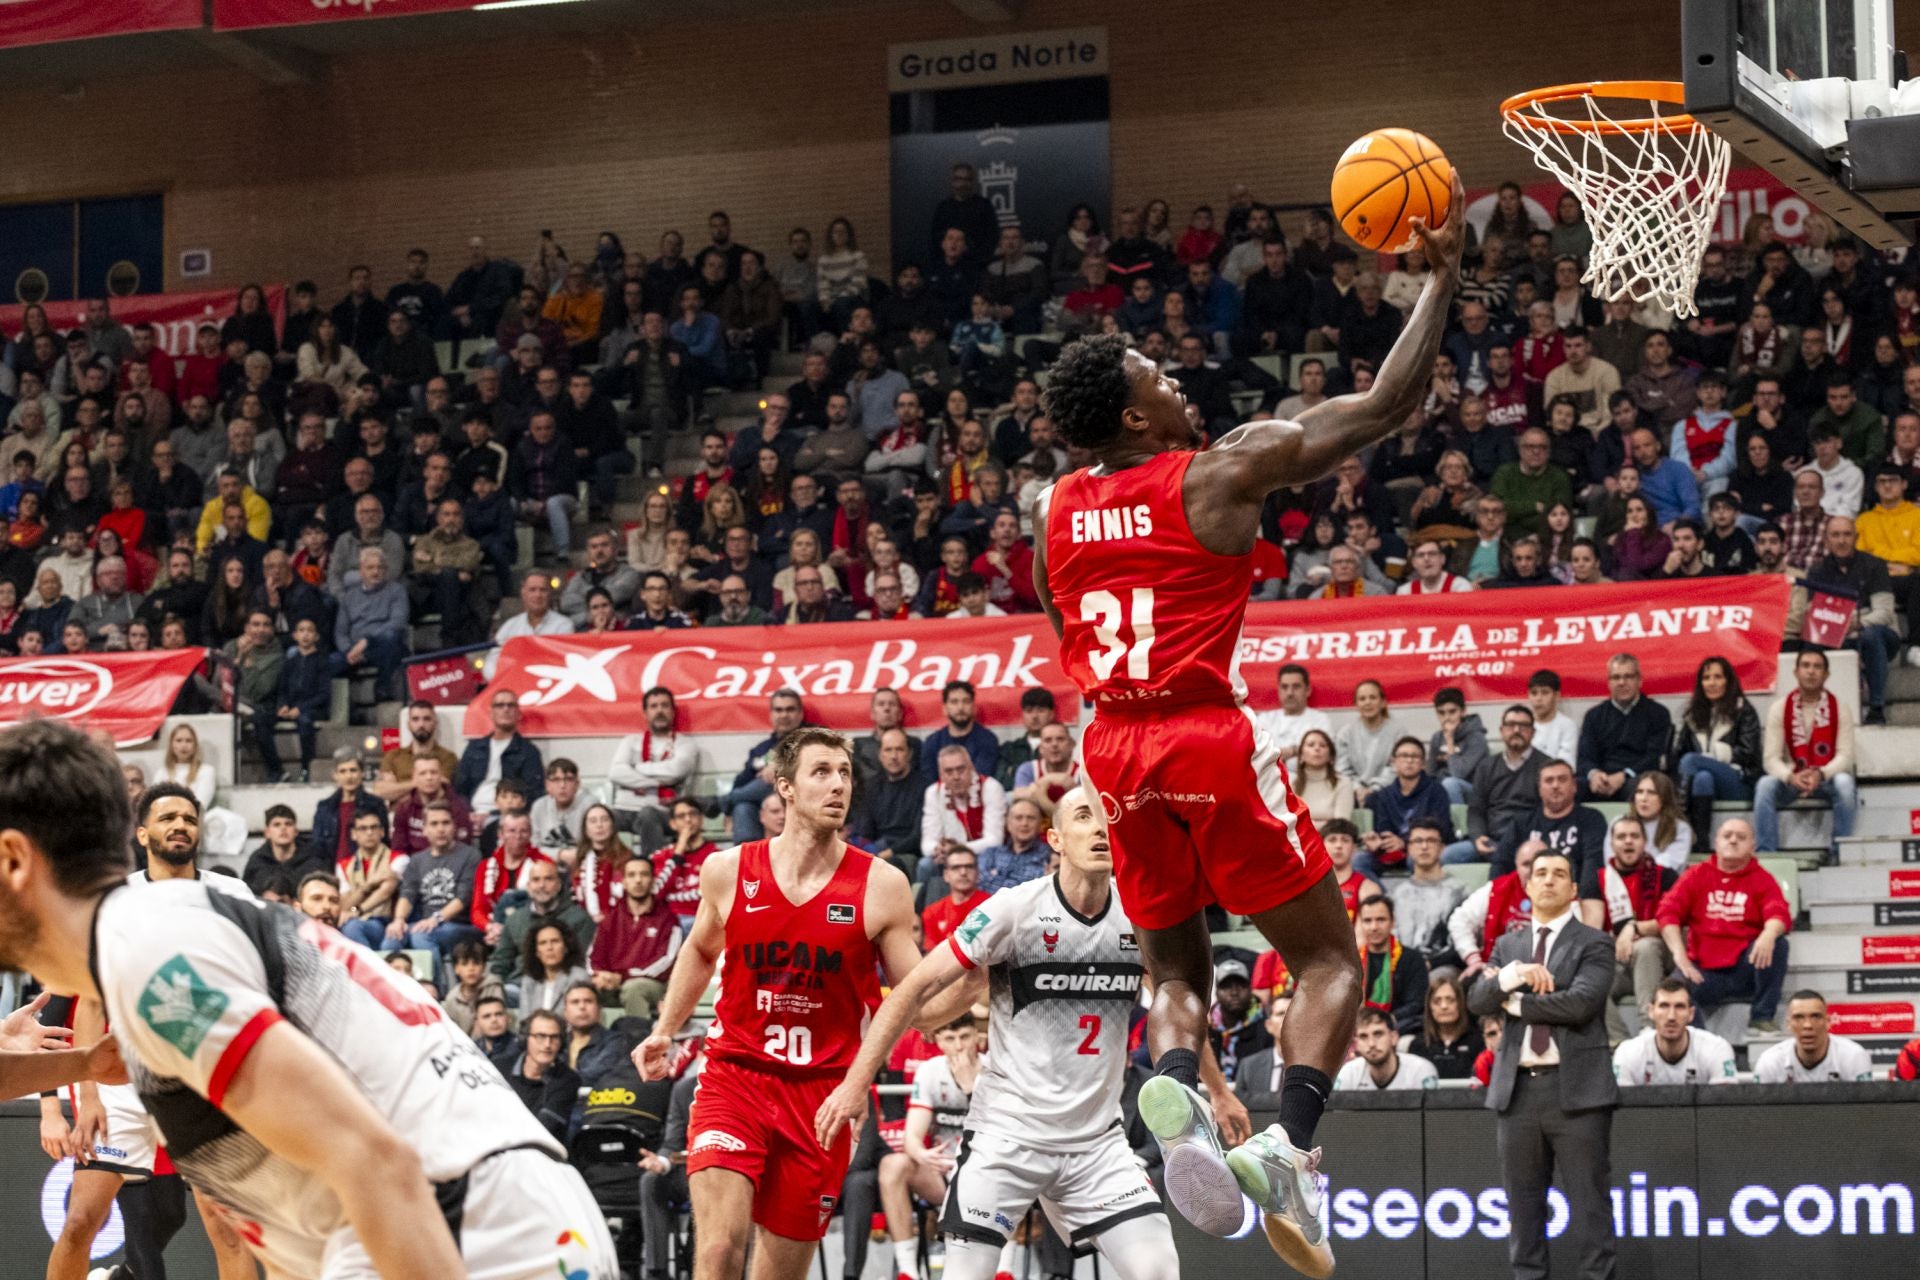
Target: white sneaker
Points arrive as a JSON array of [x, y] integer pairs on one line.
[[1199, 1182], [1285, 1182], [1913, 656]]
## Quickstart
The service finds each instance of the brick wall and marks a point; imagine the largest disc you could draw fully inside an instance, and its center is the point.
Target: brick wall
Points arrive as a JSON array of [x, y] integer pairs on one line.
[[781, 124]]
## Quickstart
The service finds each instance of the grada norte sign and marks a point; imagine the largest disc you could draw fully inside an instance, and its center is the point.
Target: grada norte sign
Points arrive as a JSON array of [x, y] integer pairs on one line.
[[999, 58]]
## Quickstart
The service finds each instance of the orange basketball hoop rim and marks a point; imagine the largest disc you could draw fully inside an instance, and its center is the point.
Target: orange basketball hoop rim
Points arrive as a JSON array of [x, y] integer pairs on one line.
[[1516, 108]]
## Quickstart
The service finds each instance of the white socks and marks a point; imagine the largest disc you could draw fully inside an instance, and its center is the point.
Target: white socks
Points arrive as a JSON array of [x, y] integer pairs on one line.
[[906, 1258]]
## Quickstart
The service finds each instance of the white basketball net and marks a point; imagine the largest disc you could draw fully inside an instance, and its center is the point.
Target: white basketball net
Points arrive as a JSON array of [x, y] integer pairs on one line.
[[1650, 197]]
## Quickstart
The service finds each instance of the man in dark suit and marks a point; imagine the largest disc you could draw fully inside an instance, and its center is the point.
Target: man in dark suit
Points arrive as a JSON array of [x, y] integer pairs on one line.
[[1552, 1081], [1257, 1082]]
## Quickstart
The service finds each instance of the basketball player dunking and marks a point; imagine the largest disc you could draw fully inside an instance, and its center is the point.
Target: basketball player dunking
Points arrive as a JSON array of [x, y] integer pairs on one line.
[[805, 923], [1143, 566]]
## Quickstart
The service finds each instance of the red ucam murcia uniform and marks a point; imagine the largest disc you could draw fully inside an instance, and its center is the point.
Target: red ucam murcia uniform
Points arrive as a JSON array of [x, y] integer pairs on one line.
[[798, 984], [1197, 802]]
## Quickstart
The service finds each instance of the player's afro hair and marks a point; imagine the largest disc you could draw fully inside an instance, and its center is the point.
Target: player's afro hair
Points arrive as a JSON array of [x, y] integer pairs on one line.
[[1087, 388]]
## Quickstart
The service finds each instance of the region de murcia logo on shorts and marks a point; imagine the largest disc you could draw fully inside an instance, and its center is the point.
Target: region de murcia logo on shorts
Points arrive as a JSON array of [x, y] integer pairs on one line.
[[751, 886], [826, 1210], [718, 1138], [839, 913], [1050, 938], [1110, 807]]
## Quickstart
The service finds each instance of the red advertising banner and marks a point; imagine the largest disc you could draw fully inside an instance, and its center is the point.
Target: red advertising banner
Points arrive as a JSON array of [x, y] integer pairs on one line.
[[27, 22], [1890, 949], [127, 694], [590, 686], [174, 316], [1872, 1019], [448, 679], [238, 15], [1903, 884], [1486, 643]]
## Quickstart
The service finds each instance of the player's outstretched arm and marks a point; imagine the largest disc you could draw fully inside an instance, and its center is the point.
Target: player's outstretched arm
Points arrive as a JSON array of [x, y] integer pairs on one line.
[[35, 1058], [37, 1071], [1263, 456], [693, 970], [847, 1104], [336, 1135]]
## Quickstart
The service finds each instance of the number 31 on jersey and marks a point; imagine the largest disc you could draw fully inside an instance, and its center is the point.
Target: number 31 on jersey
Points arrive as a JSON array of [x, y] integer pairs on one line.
[[1103, 610]]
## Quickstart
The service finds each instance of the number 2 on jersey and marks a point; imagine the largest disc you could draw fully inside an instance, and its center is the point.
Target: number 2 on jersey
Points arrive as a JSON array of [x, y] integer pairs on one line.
[[1102, 609], [1091, 1021]]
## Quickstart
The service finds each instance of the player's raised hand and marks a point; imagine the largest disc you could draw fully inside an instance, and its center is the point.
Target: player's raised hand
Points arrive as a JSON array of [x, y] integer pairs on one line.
[[21, 1032], [1444, 245], [654, 1056], [846, 1105]]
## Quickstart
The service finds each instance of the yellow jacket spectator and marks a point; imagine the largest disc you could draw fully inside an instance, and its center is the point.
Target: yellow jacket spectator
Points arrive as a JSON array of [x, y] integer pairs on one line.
[[575, 307], [233, 489], [1890, 529]]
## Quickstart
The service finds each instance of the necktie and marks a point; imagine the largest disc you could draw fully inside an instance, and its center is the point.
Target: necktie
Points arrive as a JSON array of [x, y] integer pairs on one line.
[[1540, 1035]]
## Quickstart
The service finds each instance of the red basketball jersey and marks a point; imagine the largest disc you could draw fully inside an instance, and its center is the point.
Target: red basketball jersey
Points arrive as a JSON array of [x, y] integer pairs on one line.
[[1151, 619], [799, 982]]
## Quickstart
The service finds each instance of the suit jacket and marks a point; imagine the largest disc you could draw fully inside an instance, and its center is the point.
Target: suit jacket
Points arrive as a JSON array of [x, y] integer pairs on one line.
[[1582, 966], [1251, 1080]]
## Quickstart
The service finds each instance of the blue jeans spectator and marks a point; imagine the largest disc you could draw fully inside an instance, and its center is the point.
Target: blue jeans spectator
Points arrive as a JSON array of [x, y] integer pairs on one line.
[[1702, 775], [384, 654], [744, 804], [1741, 981], [1772, 794], [369, 931], [1458, 790], [1461, 851], [559, 511], [437, 936], [1877, 646]]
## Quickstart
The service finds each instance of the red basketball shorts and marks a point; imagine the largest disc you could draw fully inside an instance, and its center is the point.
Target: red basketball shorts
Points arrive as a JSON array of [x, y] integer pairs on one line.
[[761, 1126], [1198, 812]]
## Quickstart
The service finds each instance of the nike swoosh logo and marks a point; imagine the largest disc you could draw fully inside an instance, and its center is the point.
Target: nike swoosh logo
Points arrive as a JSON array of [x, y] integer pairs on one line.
[[762, 907]]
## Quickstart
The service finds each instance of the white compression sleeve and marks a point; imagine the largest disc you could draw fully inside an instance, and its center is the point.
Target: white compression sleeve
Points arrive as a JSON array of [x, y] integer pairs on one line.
[[1138, 1249]]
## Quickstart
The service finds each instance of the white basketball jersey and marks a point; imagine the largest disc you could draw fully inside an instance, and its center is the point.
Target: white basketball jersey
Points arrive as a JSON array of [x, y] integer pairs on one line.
[[1062, 987]]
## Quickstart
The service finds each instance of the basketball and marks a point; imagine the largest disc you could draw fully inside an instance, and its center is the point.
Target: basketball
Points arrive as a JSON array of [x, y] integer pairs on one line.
[[1384, 180]]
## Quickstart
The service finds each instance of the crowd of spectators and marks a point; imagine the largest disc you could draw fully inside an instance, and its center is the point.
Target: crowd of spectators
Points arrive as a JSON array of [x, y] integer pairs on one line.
[[303, 495]]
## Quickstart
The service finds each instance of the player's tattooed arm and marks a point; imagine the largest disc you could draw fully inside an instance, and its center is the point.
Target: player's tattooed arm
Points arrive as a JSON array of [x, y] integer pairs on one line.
[[1263, 456], [693, 969], [938, 970]]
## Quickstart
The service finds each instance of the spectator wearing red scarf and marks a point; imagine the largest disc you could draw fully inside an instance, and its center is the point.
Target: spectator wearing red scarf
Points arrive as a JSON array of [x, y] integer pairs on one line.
[[940, 590], [1622, 896], [1007, 566], [506, 868], [1396, 977], [636, 944], [676, 868]]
